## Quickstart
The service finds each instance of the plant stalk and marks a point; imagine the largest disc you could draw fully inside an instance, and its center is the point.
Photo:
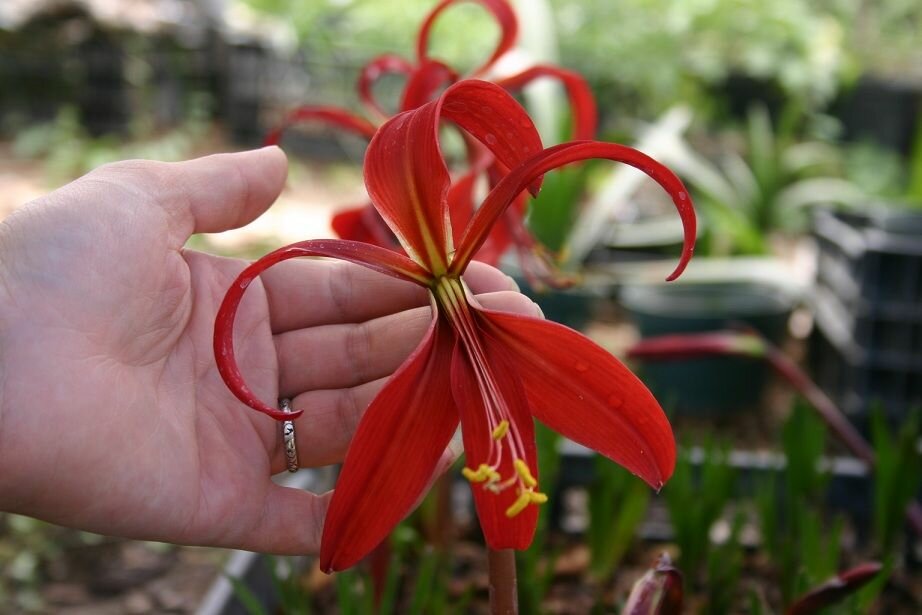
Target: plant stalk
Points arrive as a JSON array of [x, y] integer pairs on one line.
[[503, 583]]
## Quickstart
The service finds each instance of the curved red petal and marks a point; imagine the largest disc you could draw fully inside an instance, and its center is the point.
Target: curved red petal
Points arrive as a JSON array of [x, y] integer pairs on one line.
[[385, 64], [553, 157], [329, 115], [500, 531], [580, 390], [461, 202], [373, 257], [424, 82], [582, 102], [365, 225], [501, 11], [492, 116], [406, 175], [394, 453]]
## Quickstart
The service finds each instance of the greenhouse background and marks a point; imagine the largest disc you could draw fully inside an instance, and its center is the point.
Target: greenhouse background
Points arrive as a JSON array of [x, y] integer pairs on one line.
[[795, 124]]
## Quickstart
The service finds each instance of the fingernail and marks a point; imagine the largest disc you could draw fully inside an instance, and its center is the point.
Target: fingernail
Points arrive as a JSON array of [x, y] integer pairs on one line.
[[513, 285]]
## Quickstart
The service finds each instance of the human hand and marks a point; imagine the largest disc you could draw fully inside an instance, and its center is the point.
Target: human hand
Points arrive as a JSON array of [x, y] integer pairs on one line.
[[113, 417]]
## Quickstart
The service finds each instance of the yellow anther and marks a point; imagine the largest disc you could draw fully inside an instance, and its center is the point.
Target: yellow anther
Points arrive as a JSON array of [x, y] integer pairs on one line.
[[471, 475], [519, 505], [501, 430], [524, 473], [537, 497]]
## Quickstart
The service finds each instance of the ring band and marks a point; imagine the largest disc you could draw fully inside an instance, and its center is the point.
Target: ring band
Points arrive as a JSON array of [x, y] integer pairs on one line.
[[288, 437]]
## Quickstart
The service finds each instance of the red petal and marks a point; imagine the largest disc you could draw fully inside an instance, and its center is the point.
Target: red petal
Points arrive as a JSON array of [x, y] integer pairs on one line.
[[500, 531], [384, 64], [393, 454], [500, 9], [424, 83], [373, 257], [493, 117], [406, 175], [582, 102], [330, 115], [553, 157], [461, 202], [580, 390], [364, 224]]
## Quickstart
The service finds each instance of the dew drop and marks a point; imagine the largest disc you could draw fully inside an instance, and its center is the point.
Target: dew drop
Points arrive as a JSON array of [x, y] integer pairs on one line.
[[682, 196], [581, 367], [615, 401], [490, 139]]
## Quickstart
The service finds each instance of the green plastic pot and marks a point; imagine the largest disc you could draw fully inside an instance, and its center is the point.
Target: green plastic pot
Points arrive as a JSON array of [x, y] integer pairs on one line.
[[712, 386]]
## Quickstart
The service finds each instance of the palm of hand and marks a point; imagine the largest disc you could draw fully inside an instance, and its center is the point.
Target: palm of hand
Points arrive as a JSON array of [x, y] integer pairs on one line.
[[123, 322]]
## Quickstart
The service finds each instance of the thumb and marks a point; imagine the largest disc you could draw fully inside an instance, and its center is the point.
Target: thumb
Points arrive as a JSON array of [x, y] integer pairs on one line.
[[206, 195], [227, 191]]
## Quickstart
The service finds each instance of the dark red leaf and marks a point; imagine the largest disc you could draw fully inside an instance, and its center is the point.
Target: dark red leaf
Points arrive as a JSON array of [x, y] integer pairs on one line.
[[835, 589]]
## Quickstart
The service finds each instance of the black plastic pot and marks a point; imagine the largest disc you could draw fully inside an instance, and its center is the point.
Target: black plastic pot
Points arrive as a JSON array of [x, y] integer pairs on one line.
[[713, 386]]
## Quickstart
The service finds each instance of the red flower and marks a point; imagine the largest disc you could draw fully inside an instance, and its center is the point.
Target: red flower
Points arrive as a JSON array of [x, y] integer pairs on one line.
[[424, 78], [488, 370]]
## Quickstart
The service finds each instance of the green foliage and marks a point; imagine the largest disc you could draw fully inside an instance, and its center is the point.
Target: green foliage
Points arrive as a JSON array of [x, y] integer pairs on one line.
[[897, 476], [68, 151], [796, 533], [535, 565], [724, 567], [696, 502], [551, 215], [670, 50], [618, 504], [769, 187]]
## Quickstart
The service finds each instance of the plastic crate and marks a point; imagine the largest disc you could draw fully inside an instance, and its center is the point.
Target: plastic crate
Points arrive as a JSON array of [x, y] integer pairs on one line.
[[867, 348]]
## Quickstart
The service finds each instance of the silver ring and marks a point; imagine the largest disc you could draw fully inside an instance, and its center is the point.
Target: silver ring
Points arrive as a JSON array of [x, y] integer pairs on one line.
[[288, 437]]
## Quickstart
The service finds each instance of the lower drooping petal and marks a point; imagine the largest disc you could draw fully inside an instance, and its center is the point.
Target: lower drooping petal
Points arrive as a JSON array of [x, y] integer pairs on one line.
[[472, 393], [394, 452], [580, 390]]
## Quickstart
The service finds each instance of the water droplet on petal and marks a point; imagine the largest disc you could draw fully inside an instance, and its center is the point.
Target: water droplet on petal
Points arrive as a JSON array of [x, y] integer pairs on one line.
[[490, 139], [615, 401], [581, 367]]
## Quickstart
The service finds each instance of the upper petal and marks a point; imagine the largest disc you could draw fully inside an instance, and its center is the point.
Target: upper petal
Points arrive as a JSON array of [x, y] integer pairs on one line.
[[385, 64], [394, 453], [499, 9], [580, 390], [582, 102], [405, 172], [553, 157]]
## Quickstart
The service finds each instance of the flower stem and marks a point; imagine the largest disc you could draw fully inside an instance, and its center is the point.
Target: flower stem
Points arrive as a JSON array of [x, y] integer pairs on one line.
[[503, 584]]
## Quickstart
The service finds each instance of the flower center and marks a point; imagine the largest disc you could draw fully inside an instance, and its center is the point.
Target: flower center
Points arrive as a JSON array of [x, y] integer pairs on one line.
[[506, 443]]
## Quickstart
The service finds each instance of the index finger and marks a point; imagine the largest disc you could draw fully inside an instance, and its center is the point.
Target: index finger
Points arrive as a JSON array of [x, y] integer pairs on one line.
[[311, 292]]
